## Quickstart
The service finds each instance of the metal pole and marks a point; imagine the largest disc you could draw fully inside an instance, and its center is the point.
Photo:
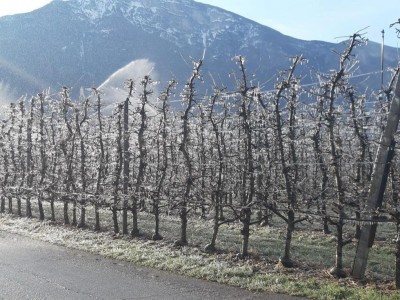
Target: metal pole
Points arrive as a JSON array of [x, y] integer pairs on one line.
[[382, 57]]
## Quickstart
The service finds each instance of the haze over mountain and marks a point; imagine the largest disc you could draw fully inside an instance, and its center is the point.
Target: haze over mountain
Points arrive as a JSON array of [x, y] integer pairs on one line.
[[80, 43]]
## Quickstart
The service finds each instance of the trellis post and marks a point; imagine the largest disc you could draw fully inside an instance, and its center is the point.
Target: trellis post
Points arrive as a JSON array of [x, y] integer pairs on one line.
[[378, 184]]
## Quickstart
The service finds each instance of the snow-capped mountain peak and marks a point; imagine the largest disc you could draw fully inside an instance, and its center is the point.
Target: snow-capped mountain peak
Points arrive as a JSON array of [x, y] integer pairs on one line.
[[92, 9], [96, 9], [81, 42], [179, 21]]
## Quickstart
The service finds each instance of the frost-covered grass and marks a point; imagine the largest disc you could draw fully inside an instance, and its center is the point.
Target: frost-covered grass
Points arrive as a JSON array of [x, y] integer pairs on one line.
[[314, 253]]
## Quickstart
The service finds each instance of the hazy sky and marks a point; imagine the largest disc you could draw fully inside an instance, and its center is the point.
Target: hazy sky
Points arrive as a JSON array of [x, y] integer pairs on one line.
[[305, 19]]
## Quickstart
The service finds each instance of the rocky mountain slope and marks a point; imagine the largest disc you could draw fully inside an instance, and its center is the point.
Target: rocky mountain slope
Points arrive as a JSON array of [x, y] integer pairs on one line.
[[79, 43]]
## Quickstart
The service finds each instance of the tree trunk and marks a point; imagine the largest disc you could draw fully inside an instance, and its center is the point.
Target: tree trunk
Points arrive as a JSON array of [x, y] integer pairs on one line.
[[96, 218], [325, 219], [28, 207], [330, 94], [68, 157], [40, 207], [245, 232], [286, 259], [19, 206], [2, 204], [43, 158], [82, 148], [126, 162], [21, 158], [184, 221], [189, 94], [142, 157], [100, 170], [117, 172], [53, 213], [29, 160], [115, 219], [211, 246], [337, 270], [66, 217], [217, 196], [157, 236], [135, 228], [82, 219], [10, 205], [74, 218]]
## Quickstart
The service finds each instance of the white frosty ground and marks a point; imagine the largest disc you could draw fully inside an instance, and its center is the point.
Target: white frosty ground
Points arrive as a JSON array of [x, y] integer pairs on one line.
[[189, 261], [161, 255]]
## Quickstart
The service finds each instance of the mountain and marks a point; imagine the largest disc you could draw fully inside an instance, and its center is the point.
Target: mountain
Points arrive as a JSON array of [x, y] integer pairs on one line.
[[78, 43]]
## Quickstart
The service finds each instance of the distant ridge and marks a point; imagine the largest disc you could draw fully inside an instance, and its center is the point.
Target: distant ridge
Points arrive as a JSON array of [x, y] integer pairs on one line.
[[82, 42]]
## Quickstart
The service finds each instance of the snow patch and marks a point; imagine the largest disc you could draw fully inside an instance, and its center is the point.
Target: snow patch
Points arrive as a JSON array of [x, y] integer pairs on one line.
[[163, 16], [137, 4], [94, 9]]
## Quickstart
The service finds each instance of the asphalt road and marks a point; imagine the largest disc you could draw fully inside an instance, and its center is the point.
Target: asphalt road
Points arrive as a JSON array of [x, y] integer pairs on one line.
[[31, 269]]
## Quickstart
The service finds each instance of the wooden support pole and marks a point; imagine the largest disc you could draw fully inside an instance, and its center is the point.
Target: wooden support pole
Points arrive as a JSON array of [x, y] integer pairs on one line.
[[378, 184]]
